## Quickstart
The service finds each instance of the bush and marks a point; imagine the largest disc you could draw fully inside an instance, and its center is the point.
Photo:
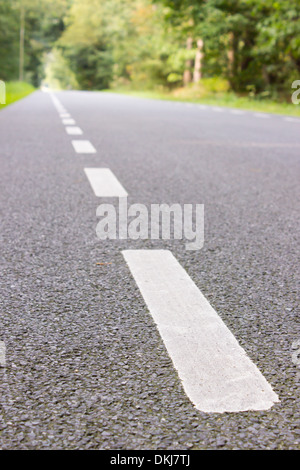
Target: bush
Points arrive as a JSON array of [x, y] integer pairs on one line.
[[205, 88]]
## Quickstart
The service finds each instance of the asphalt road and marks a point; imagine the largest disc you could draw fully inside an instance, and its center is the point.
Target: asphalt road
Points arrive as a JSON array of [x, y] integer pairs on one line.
[[85, 366]]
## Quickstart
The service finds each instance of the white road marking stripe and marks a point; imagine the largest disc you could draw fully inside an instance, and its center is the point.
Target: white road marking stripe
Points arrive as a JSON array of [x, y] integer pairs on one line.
[[68, 122], [83, 146], [237, 111], [261, 115], [215, 371], [290, 119], [73, 130], [59, 107], [104, 183], [2, 354], [65, 115]]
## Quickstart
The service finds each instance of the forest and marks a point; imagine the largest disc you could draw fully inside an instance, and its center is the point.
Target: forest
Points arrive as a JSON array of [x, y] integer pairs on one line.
[[250, 47]]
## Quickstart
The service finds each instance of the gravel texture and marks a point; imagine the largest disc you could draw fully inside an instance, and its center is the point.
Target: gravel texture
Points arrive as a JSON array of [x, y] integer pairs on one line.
[[86, 367]]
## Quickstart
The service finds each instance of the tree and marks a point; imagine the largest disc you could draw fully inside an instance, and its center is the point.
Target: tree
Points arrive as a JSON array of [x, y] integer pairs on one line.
[[9, 40], [252, 43], [40, 22]]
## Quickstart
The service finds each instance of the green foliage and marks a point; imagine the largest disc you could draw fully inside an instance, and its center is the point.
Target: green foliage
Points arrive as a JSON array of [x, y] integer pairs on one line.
[[86, 44], [215, 85], [9, 43], [253, 45], [43, 24], [111, 40], [57, 72], [15, 91], [261, 37], [92, 66], [174, 78], [229, 99], [207, 88]]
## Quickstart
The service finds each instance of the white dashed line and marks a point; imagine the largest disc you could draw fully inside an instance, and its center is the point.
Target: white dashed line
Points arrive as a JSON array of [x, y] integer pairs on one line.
[[59, 107], [73, 130], [104, 183], [68, 122], [261, 115], [290, 119], [65, 115], [2, 354], [215, 371], [237, 111], [83, 146]]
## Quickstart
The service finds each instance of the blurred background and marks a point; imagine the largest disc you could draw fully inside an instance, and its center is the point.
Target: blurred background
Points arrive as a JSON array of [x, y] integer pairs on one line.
[[242, 53]]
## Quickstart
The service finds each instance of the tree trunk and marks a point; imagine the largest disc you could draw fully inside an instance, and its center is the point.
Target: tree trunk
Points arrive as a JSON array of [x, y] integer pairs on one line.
[[230, 54], [232, 60], [198, 62], [22, 31], [187, 76]]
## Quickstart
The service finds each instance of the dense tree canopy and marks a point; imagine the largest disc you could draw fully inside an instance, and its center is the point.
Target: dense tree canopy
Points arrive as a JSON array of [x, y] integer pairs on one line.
[[9, 40], [43, 25], [93, 44]]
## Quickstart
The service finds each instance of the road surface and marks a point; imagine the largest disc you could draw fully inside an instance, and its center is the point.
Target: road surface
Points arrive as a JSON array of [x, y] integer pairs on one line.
[[86, 361]]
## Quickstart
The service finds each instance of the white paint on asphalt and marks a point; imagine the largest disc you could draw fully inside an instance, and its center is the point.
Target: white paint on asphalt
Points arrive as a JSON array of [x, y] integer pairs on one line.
[[59, 107], [65, 115], [2, 354], [73, 130], [261, 115], [68, 122], [83, 146], [215, 371], [104, 183], [290, 119], [237, 111]]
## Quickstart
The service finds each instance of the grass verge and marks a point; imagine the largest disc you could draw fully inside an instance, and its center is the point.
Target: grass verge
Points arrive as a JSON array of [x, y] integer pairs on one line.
[[16, 91], [227, 99]]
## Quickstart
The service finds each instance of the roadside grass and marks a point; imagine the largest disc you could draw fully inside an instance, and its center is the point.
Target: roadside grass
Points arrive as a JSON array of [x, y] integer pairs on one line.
[[226, 99], [16, 91]]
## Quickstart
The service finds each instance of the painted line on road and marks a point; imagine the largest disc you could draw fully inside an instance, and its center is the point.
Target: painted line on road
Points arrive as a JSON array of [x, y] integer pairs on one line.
[[59, 107], [104, 183], [65, 115], [215, 371], [237, 111], [83, 146], [73, 130], [261, 115], [68, 122], [290, 119], [2, 354]]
